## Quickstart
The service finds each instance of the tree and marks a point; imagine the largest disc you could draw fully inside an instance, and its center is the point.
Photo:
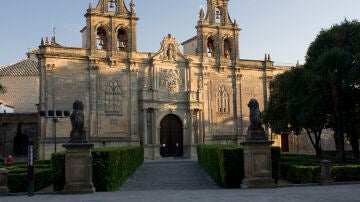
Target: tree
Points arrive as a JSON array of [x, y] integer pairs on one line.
[[333, 61], [294, 107]]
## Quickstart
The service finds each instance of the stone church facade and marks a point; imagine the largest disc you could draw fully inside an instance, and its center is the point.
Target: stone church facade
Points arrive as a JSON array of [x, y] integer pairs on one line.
[[168, 101]]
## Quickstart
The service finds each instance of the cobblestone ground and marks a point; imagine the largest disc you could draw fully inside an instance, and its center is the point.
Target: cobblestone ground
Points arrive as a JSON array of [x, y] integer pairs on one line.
[[169, 175]]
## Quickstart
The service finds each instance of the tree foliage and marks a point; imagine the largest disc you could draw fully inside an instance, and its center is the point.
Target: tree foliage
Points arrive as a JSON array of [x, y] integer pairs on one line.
[[323, 94], [333, 60], [292, 108]]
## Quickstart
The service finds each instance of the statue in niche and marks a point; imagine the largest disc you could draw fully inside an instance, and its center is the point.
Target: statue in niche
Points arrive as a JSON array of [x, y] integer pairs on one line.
[[170, 52], [77, 134]]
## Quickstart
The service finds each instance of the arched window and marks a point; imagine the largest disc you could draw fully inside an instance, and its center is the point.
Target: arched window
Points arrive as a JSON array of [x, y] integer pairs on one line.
[[223, 101], [102, 38], [113, 95], [227, 48], [218, 15], [210, 47], [122, 39]]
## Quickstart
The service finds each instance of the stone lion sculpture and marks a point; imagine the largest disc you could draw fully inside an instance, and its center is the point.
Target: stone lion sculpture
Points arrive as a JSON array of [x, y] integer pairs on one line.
[[255, 116], [77, 121]]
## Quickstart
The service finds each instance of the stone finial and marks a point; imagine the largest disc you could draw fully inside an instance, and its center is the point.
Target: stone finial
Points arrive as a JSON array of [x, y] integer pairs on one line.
[[53, 42], [265, 59], [47, 41], [42, 41], [269, 58], [90, 6], [202, 13], [132, 6]]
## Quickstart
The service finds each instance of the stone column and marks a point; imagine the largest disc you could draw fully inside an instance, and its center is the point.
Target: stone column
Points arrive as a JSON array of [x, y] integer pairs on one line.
[[4, 190], [155, 133], [326, 172], [144, 114]]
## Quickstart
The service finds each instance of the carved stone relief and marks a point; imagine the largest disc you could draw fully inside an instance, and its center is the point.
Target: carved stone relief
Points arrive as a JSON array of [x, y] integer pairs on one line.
[[171, 79]]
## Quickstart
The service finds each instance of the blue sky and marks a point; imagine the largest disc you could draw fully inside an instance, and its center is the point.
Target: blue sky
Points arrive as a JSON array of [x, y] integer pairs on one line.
[[283, 28]]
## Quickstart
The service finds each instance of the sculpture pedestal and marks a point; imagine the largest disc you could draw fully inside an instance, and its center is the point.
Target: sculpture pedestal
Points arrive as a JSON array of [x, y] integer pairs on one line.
[[257, 164], [78, 168], [4, 190]]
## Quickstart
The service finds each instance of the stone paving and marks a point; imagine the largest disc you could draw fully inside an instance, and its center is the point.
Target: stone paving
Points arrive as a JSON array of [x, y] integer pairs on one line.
[[169, 175], [184, 181]]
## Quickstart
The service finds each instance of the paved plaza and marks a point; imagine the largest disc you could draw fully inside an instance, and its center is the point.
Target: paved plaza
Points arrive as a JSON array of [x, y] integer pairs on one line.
[[183, 180]]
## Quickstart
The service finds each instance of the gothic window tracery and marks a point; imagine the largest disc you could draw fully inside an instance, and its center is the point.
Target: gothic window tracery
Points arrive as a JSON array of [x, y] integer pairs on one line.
[[113, 98], [223, 101]]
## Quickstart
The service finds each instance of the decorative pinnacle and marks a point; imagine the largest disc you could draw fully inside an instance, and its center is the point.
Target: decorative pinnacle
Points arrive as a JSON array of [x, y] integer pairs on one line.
[[132, 6], [202, 13], [42, 41], [90, 6]]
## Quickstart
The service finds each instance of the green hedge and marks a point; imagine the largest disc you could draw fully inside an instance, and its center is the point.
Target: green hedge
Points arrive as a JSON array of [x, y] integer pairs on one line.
[[345, 173], [111, 167], [225, 163], [18, 176], [306, 169], [231, 167]]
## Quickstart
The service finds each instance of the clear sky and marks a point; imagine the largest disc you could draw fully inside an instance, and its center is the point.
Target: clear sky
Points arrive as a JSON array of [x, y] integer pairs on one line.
[[283, 28]]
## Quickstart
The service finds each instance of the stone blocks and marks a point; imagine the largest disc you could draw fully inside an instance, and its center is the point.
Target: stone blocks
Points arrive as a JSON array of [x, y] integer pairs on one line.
[[78, 169]]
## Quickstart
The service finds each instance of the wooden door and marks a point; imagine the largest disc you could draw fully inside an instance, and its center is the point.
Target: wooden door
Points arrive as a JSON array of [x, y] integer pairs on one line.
[[171, 137]]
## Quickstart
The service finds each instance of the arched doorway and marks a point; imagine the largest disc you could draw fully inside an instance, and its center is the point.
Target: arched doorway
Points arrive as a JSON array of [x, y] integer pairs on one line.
[[171, 137]]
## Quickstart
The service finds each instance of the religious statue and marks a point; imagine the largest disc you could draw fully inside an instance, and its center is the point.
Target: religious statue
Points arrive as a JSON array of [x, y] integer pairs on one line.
[[256, 130], [77, 134]]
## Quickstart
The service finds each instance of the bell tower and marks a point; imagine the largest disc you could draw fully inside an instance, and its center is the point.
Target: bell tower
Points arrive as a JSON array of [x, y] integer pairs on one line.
[[217, 34], [110, 26]]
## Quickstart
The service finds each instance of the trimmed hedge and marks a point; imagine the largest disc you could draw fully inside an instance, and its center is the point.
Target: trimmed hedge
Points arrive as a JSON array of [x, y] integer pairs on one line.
[[306, 169], [231, 167], [18, 176], [345, 173], [111, 167], [225, 163]]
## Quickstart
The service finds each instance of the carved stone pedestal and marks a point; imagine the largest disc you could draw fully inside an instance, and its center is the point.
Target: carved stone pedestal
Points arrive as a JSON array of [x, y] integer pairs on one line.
[[4, 190], [257, 164], [78, 168]]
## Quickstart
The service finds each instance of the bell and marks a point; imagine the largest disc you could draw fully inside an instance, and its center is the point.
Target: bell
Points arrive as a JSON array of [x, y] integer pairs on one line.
[[101, 43], [111, 3], [121, 45], [217, 15]]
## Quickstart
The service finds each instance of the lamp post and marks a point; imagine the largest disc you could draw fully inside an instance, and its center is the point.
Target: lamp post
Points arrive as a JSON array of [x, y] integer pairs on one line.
[[55, 115]]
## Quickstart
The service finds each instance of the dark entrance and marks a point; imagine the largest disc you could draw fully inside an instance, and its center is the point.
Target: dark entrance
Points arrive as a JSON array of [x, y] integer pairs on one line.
[[171, 137]]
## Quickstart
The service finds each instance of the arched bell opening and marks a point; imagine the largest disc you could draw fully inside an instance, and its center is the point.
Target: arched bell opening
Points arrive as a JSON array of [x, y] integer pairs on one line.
[[122, 39], [102, 38], [228, 48], [218, 14], [210, 47]]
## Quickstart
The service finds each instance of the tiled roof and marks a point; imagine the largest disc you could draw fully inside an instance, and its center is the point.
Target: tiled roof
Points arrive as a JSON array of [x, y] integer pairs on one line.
[[27, 67]]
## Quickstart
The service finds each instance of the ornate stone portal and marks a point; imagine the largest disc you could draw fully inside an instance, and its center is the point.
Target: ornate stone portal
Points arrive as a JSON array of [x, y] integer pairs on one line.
[[257, 153], [78, 159]]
